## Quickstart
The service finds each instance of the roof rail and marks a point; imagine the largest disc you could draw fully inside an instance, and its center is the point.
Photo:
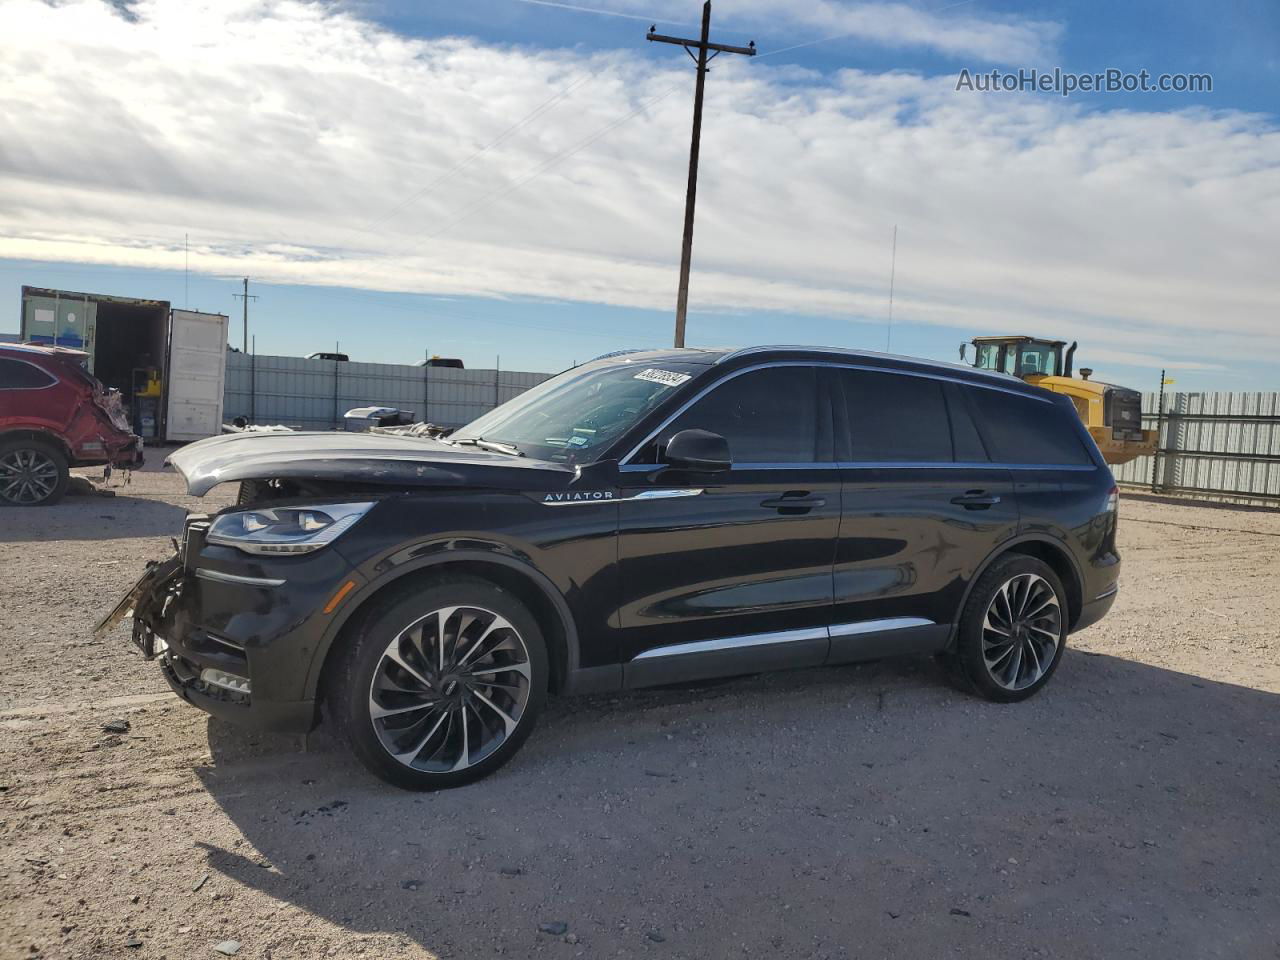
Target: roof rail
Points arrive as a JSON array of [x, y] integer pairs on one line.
[[874, 354]]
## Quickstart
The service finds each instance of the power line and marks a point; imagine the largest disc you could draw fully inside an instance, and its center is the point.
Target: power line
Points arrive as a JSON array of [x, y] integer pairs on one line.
[[893, 269], [603, 13], [845, 36]]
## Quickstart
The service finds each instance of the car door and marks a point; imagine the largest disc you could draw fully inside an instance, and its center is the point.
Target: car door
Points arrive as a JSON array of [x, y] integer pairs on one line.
[[31, 396], [730, 572], [922, 508], [1037, 436]]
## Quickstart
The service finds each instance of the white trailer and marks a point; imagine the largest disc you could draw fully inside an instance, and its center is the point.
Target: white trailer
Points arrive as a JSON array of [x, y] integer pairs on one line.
[[129, 341], [197, 374]]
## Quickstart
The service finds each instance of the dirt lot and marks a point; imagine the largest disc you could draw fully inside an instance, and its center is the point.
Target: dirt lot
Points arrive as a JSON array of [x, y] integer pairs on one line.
[[1129, 811]]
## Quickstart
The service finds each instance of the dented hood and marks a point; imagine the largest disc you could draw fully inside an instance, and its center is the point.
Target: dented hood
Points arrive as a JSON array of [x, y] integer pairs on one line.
[[397, 461]]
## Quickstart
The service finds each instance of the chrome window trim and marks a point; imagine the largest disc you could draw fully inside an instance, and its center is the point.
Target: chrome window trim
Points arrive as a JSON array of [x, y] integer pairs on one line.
[[942, 376], [784, 636], [883, 465], [816, 465], [219, 577], [958, 465], [54, 380]]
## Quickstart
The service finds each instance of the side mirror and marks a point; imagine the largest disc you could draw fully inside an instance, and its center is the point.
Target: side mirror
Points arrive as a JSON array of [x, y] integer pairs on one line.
[[698, 450], [964, 349]]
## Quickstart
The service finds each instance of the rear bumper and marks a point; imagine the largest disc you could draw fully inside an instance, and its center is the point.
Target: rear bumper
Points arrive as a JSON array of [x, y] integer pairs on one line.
[[1094, 610], [130, 455], [127, 457]]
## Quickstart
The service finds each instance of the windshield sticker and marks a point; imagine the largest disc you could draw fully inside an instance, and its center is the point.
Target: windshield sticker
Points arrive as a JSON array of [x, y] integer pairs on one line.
[[668, 378], [579, 441]]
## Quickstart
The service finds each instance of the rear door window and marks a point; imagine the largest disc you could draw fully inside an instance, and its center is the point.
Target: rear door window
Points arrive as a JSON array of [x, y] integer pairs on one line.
[[964, 433], [896, 418], [20, 375], [1028, 430]]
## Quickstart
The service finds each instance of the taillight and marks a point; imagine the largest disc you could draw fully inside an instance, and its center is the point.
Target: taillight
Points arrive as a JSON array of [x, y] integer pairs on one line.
[[1113, 501]]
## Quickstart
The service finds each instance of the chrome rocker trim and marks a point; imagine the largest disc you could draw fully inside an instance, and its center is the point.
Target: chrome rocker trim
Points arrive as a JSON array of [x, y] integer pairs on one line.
[[785, 636]]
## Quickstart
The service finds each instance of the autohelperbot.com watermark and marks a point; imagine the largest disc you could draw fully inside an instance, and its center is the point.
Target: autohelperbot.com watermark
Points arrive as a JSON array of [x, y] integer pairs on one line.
[[1066, 83]]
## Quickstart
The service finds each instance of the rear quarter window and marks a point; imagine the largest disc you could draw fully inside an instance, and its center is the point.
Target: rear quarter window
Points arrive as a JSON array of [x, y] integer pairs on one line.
[[1023, 429], [20, 375]]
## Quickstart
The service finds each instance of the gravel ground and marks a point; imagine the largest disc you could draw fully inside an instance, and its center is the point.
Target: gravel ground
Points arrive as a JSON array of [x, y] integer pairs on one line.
[[870, 811]]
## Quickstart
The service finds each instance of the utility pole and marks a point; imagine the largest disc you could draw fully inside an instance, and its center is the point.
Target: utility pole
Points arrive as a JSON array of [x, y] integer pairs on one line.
[[702, 46], [1155, 454], [246, 298]]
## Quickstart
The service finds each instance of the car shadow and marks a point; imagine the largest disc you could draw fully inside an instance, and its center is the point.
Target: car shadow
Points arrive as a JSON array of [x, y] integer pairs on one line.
[[85, 514], [869, 811], [1191, 500]]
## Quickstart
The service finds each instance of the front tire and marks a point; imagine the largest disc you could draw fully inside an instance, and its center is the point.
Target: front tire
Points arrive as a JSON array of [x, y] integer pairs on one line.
[[32, 474], [1012, 631], [440, 686]]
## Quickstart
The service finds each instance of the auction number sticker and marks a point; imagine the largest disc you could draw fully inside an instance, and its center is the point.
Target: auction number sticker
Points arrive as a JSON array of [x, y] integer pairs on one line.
[[668, 378]]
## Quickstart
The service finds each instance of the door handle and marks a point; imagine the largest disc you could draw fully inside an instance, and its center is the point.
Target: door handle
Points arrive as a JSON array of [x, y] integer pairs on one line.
[[976, 500], [793, 503]]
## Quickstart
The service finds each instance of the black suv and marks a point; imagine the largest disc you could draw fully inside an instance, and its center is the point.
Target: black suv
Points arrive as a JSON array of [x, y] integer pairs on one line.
[[643, 519]]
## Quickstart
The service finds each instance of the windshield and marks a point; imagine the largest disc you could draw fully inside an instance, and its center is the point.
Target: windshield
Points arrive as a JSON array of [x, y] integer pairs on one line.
[[1037, 357], [572, 417]]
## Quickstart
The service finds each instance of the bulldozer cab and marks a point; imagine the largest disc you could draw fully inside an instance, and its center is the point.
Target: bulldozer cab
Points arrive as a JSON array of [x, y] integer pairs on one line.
[[1023, 357]]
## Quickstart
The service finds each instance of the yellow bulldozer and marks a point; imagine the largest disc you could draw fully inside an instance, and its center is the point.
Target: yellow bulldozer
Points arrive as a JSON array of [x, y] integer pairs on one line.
[[1112, 414]]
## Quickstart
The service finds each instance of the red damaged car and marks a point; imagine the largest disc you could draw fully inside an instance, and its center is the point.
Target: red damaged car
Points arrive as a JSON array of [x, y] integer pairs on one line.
[[55, 415]]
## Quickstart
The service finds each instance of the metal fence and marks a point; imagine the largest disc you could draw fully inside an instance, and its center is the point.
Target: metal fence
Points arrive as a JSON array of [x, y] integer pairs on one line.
[[1221, 444], [314, 394]]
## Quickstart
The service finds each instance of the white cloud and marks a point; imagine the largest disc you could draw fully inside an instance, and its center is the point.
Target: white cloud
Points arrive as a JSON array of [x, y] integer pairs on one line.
[[286, 139]]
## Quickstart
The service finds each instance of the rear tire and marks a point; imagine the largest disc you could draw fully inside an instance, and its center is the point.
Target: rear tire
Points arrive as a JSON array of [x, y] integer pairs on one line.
[[439, 686], [1013, 630], [32, 473]]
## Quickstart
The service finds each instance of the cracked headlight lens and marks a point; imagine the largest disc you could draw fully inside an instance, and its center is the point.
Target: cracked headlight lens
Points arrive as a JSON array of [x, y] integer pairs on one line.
[[285, 530]]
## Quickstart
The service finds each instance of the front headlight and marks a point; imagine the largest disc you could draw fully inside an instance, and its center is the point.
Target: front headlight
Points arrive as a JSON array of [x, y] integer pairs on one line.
[[285, 530]]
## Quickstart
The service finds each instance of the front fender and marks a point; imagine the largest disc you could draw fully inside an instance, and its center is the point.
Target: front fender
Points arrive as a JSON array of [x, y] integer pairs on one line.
[[440, 553]]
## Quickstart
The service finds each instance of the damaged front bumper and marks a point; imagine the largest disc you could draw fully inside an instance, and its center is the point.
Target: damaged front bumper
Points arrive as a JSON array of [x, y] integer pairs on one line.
[[229, 673]]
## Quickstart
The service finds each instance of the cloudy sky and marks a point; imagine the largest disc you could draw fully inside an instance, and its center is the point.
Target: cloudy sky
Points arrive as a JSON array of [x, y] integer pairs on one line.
[[506, 176]]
